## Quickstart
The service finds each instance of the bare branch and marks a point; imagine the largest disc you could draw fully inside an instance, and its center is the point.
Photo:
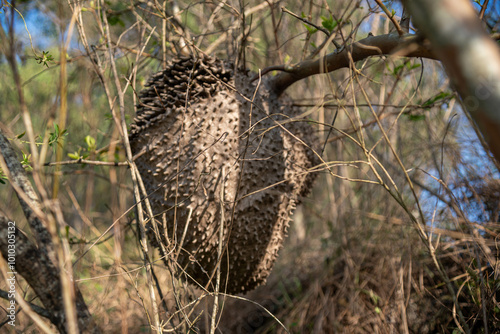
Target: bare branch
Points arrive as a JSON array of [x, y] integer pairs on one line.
[[483, 9], [408, 45], [83, 161]]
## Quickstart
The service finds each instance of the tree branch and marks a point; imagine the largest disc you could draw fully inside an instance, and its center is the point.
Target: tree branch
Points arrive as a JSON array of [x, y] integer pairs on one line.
[[407, 45], [37, 309], [43, 277], [470, 56]]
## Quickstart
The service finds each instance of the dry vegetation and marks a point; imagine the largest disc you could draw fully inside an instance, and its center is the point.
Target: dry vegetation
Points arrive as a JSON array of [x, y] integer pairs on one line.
[[399, 234]]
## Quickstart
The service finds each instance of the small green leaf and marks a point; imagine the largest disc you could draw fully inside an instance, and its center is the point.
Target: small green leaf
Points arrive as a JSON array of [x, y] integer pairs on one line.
[[2, 177], [397, 69], [436, 98], [90, 141], [74, 156], [45, 58], [329, 23], [21, 135], [416, 118], [115, 19], [26, 162], [378, 310], [414, 66], [311, 30]]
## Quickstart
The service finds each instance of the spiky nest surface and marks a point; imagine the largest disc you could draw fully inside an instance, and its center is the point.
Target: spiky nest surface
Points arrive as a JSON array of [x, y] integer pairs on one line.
[[199, 129]]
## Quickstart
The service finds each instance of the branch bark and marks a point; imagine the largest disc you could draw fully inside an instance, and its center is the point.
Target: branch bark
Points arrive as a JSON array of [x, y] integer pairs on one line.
[[471, 59], [407, 45], [43, 277]]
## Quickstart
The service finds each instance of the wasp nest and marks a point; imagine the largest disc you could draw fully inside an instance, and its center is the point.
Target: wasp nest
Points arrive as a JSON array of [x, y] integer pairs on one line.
[[217, 150]]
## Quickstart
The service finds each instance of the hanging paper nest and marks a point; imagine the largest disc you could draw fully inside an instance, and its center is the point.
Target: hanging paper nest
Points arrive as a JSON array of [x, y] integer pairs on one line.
[[198, 128]]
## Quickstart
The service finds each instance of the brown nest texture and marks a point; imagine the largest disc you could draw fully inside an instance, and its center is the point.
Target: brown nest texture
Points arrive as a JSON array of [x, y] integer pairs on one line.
[[218, 151]]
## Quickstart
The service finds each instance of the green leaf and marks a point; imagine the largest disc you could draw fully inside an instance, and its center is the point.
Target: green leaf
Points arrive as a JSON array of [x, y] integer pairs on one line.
[[397, 69], [74, 156], [329, 23], [2, 177], [414, 66], [56, 135], [311, 30], [21, 135], [115, 19], [45, 58], [416, 118], [436, 98], [90, 141], [26, 162]]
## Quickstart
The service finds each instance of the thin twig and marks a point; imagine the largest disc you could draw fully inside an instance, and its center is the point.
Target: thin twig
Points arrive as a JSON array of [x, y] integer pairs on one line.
[[483, 9], [82, 161], [391, 17], [324, 30], [219, 255], [306, 21]]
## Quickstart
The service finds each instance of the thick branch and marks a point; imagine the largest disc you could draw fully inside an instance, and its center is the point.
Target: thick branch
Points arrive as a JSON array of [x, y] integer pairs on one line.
[[408, 45], [37, 309], [43, 277], [471, 59], [28, 197]]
